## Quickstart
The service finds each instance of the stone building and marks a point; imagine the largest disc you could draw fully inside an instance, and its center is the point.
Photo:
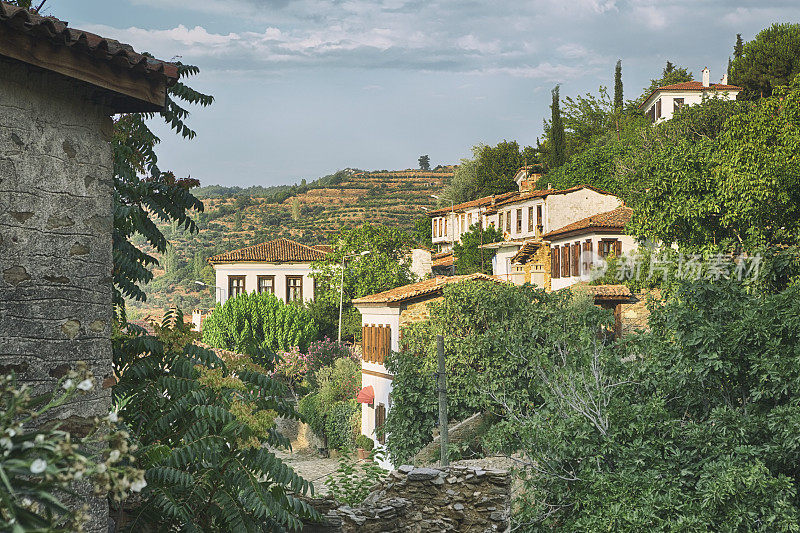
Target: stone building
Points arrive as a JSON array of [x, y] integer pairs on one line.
[[59, 88]]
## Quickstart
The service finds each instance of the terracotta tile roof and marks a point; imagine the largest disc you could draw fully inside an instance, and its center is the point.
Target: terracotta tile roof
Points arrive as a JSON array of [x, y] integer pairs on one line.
[[616, 219], [541, 193], [528, 249], [277, 251], [486, 200], [323, 248], [444, 259], [427, 287], [691, 86], [601, 292], [94, 46]]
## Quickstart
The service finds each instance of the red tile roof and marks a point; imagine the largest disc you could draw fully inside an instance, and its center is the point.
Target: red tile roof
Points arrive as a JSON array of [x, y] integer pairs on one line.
[[323, 248], [277, 251], [93, 47], [616, 220], [486, 200], [427, 287], [541, 193], [691, 86], [444, 259], [608, 293]]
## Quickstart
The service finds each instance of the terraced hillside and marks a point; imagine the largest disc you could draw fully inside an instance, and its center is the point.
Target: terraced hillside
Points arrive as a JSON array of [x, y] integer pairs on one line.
[[393, 198]]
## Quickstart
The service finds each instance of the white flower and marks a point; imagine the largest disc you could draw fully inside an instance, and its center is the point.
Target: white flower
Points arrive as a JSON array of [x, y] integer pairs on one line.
[[38, 466], [11, 432], [138, 485], [101, 468], [112, 417], [78, 475], [27, 445], [6, 443], [68, 384], [39, 439], [113, 456], [86, 384]]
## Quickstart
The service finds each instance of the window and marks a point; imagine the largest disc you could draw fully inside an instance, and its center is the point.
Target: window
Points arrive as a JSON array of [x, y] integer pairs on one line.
[[469, 220], [266, 284], [463, 223], [677, 103], [565, 261], [294, 289], [445, 227], [235, 286], [539, 215], [500, 219], [376, 342], [508, 221], [608, 247], [530, 220], [576, 259], [380, 420], [658, 108], [433, 229], [651, 113], [519, 220], [587, 256], [555, 264]]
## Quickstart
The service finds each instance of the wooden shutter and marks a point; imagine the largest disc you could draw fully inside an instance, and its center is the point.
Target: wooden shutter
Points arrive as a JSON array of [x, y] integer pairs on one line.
[[555, 264], [565, 261], [380, 420], [618, 248], [576, 259]]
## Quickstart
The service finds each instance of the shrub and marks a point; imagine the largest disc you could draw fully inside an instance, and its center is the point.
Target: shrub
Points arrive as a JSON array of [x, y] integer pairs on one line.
[[353, 480], [252, 323], [323, 353], [291, 368], [364, 443], [338, 428]]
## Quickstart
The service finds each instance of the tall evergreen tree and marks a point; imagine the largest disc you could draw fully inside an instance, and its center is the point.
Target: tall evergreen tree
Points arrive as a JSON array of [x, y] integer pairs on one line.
[[424, 162], [738, 48], [618, 85], [555, 138]]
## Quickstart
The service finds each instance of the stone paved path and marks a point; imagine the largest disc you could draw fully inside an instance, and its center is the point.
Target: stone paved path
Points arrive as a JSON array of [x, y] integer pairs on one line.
[[310, 466]]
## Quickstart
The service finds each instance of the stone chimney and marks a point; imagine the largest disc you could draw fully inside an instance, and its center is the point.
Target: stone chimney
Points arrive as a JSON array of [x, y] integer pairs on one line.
[[724, 80], [706, 76]]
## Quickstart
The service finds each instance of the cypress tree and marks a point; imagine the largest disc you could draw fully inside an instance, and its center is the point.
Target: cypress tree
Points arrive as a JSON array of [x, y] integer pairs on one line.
[[738, 48], [556, 134], [618, 85]]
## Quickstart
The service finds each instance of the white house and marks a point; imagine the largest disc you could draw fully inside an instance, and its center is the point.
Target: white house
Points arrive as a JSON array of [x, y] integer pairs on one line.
[[661, 104], [574, 248], [281, 267], [382, 317]]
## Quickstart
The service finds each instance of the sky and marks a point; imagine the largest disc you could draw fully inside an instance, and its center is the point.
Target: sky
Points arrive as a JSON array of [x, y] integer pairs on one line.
[[303, 88]]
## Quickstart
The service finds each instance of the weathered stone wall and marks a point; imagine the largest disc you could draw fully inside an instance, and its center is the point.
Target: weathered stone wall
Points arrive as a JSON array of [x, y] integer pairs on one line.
[[634, 314], [55, 236], [416, 312], [457, 433], [457, 498]]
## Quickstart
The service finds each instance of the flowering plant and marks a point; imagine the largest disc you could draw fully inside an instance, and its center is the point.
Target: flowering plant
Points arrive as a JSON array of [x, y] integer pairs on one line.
[[39, 463], [292, 367], [323, 353]]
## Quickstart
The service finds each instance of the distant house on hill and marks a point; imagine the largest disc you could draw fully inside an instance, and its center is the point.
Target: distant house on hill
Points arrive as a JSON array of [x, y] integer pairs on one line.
[[661, 104], [281, 267]]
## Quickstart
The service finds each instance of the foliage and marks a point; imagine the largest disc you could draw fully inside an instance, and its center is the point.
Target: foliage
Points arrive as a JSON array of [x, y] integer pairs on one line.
[[618, 99], [251, 323], [768, 61], [364, 443], [330, 408], [669, 76], [705, 400], [469, 256], [143, 192], [292, 368], [338, 429], [479, 321], [423, 231], [490, 171], [554, 133], [203, 425], [424, 162], [323, 353], [383, 268], [353, 480], [40, 463]]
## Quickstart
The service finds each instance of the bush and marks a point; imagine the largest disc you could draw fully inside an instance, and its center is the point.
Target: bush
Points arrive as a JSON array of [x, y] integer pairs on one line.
[[292, 368], [251, 323], [323, 353], [353, 480], [338, 428], [364, 443]]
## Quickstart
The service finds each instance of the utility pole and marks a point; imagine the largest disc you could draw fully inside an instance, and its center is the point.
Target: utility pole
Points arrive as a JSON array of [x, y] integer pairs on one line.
[[444, 459]]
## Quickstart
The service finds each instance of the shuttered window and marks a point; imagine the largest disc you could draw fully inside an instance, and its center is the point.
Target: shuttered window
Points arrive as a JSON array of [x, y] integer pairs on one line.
[[519, 220], [610, 246], [555, 264], [565, 261], [380, 420], [587, 255], [235, 286], [576, 259], [376, 342], [530, 220]]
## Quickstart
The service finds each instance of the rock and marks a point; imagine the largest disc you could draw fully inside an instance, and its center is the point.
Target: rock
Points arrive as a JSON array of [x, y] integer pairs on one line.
[[458, 507], [405, 469], [422, 474]]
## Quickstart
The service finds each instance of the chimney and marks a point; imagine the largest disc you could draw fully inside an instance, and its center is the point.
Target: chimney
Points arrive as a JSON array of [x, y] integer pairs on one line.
[[724, 80], [706, 75]]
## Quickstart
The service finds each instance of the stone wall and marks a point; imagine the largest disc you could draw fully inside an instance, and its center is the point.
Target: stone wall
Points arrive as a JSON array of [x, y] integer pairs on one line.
[[56, 195], [634, 314], [457, 432], [416, 312], [456, 498]]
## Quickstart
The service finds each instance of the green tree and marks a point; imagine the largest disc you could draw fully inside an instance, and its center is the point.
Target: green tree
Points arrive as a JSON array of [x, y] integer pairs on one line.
[[618, 101], [469, 256], [252, 323], [768, 61], [422, 231], [738, 48], [237, 220], [669, 76], [556, 141], [295, 209], [490, 171], [424, 162], [170, 260], [384, 267]]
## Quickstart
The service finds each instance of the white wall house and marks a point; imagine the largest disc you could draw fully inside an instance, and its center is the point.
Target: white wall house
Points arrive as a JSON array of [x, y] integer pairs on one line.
[[281, 267], [382, 317], [578, 248], [661, 104]]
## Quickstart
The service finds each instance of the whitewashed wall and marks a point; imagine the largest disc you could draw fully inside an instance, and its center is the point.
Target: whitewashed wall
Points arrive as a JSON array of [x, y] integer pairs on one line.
[[251, 271], [629, 244]]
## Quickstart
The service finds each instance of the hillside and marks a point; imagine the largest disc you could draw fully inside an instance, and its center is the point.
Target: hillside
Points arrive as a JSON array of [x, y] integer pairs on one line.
[[308, 214]]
